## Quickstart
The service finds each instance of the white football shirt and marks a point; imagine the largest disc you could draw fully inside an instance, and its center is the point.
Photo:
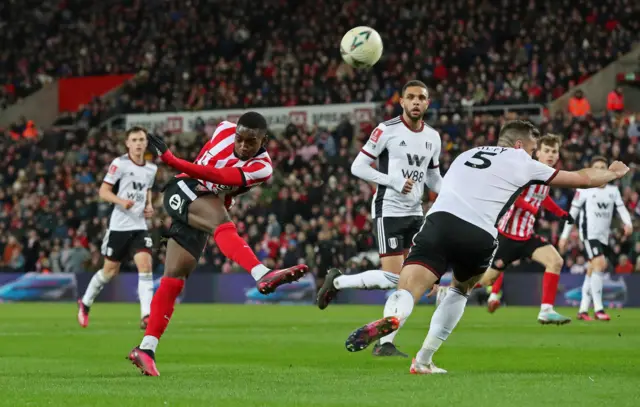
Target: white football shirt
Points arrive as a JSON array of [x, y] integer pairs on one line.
[[133, 181], [402, 153], [593, 209], [483, 182]]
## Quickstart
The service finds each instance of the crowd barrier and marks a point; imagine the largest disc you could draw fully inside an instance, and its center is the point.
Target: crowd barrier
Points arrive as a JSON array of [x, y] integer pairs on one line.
[[204, 286]]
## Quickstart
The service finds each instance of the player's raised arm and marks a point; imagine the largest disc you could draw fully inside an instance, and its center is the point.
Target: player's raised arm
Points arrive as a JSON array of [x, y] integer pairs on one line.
[[589, 177], [230, 176], [361, 166], [106, 189]]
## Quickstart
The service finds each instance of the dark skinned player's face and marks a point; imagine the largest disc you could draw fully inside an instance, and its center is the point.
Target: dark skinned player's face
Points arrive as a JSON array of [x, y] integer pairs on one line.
[[248, 142]]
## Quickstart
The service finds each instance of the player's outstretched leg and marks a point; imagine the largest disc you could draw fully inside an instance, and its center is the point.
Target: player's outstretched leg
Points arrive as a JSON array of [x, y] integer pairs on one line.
[[143, 262], [206, 215], [97, 283], [384, 279], [236, 249], [367, 280], [549, 257], [414, 281]]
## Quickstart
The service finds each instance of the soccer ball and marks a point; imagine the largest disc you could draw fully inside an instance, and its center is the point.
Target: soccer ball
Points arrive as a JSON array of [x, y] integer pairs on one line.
[[361, 47]]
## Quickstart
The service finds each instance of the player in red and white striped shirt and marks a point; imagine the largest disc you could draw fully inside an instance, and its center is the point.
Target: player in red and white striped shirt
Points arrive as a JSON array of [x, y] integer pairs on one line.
[[517, 240], [231, 163]]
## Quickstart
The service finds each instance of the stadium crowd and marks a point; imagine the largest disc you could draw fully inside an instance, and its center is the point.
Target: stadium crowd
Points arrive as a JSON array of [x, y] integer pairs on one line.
[[312, 209], [206, 54], [215, 54]]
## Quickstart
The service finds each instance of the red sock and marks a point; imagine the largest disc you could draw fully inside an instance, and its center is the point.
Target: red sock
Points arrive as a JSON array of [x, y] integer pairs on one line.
[[162, 305], [497, 286], [549, 287], [234, 247]]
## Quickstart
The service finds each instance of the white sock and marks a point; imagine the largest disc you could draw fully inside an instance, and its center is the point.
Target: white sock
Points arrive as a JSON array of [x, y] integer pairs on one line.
[[399, 304], [585, 303], [259, 271], [149, 343], [368, 280], [494, 297], [95, 286], [145, 292], [443, 321], [546, 307], [597, 281]]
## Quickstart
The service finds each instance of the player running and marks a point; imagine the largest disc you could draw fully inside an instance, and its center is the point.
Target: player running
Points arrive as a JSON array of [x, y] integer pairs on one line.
[[460, 231], [128, 186], [406, 152], [593, 208], [231, 163], [517, 240]]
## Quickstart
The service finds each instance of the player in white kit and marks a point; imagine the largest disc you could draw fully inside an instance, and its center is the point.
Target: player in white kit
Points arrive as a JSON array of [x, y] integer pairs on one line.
[[593, 208], [127, 234], [406, 151], [459, 231]]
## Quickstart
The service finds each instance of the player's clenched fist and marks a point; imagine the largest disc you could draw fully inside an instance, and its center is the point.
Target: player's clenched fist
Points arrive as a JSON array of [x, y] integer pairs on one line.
[[156, 144], [619, 168]]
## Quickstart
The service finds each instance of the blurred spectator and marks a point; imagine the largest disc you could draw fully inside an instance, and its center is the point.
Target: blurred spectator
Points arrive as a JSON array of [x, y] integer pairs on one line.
[[624, 266], [234, 54], [579, 105], [615, 101], [74, 257]]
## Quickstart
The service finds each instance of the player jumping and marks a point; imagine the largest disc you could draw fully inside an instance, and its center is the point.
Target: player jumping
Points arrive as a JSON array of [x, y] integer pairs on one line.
[[127, 233], [460, 231], [517, 240], [406, 151], [593, 208], [231, 163]]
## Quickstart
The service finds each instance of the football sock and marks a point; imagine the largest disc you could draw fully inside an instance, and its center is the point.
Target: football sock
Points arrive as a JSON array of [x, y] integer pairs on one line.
[[597, 282], [236, 249], [162, 307], [145, 292], [96, 285], [497, 286], [399, 304], [549, 290], [368, 280], [585, 302], [444, 320]]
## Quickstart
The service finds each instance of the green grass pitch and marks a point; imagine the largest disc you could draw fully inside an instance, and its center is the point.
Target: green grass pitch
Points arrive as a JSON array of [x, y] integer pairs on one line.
[[281, 356]]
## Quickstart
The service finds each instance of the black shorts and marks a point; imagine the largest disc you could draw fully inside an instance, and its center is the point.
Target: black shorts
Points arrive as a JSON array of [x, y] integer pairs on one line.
[[117, 245], [510, 250], [594, 248], [395, 234], [178, 195], [448, 241]]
